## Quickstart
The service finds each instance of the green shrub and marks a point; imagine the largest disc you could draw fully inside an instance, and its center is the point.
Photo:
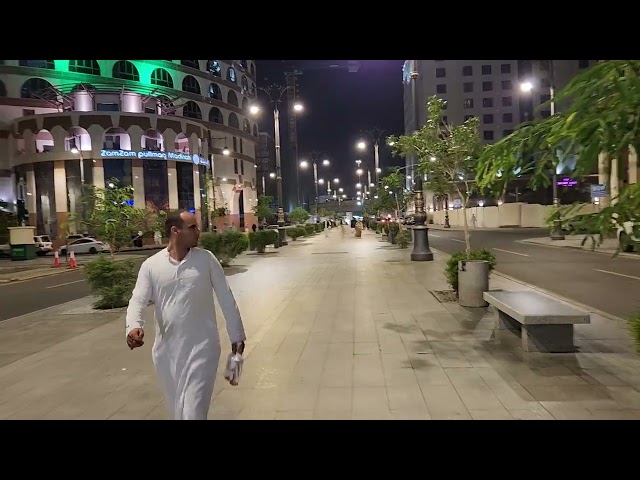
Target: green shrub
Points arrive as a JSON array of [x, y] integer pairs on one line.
[[263, 238], [309, 229], [317, 227], [451, 269], [225, 246], [252, 241], [634, 330], [403, 238], [112, 280], [296, 232], [373, 225], [394, 228]]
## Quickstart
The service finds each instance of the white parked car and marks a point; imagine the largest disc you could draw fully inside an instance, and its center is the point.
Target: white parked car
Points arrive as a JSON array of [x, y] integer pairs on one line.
[[43, 244], [84, 245]]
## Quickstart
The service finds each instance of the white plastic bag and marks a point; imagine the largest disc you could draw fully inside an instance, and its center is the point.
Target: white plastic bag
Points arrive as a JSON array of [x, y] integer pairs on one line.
[[234, 368]]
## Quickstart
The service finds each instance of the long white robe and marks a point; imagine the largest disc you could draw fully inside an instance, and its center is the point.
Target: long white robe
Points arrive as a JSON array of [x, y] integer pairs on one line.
[[186, 350]]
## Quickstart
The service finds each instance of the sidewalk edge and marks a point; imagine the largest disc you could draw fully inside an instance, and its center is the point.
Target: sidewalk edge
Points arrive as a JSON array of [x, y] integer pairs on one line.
[[580, 249], [551, 294]]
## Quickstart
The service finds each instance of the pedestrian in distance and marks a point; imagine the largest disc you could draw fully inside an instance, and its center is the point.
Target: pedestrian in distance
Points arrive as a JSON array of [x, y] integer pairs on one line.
[[181, 280]]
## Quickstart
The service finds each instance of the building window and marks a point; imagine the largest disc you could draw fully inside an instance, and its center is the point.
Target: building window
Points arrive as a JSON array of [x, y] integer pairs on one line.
[[233, 121], [235, 165], [192, 110], [190, 63], [545, 113], [191, 85], [583, 63], [38, 64], [468, 103], [487, 102], [184, 172], [215, 116], [505, 68], [241, 146], [507, 101], [486, 69], [488, 134], [231, 75], [487, 118], [125, 70], [232, 98], [441, 72], [441, 88], [545, 98], [241, 167], [235, 145], [507, 117], [506, 85], [467, 87], [467, 71], [90, 67], [214, 91], [37, 88], [107, 107], [244, 85], [487, 86], [246, 127], [506, 133], [467, 117], [161, 77], [213, 67]]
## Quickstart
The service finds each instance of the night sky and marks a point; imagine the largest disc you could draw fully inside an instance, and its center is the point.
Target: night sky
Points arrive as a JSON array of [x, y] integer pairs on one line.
[[339, 106]]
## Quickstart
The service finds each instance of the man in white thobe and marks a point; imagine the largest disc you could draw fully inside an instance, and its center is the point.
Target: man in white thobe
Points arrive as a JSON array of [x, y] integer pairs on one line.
[[180, 280]]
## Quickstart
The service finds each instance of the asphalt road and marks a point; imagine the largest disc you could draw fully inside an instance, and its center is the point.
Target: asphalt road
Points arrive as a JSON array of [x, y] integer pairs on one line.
[[19, 298], [611, 285]]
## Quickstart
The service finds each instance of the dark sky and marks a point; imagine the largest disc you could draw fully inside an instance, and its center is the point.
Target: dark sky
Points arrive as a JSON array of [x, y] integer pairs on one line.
[[339, 106]]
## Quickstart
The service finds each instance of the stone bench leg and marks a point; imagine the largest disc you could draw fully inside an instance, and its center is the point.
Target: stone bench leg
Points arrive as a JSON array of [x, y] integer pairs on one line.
[[505, 322], [548, 338]]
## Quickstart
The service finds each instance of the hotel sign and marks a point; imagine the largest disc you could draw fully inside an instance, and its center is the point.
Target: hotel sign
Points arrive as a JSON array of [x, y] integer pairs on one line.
[[181, 157]]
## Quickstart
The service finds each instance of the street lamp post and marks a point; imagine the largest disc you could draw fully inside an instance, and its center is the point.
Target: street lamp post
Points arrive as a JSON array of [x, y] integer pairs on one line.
[[78, 149], [276, 121], [314, 161], [421, 251]]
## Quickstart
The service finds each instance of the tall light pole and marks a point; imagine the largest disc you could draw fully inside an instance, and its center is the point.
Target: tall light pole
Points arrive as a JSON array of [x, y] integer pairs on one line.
[[271, 93], [527, 87], [78, 149], [314, 161]]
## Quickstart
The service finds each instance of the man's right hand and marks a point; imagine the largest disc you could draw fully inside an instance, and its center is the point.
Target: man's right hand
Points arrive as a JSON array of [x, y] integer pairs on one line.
[[134, 339]]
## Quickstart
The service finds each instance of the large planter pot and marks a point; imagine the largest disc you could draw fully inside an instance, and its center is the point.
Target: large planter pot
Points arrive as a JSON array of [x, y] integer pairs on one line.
[[392, 237], [473, 281], [358, 233]]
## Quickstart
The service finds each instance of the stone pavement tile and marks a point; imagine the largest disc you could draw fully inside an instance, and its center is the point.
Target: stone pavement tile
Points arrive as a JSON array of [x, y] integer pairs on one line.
[[332, 415], [367, 371], [531, 414], [115, 400], [406, 397], [432, 377], [599, 376], [413, 414], [251, 414], [473, 390], [370, 399], [444, 403], [371, 415], [564, 410], [338, 367], [266, 399], [366, 348], [626, 397], [558, 375], [616, 414], [299, 397], [449, 355], [231, 400], [398, 370], [295, 415], [491, 414], [510, 393], [158, 413], [335, 399], [567, 393], [141, 404], [417, 346]]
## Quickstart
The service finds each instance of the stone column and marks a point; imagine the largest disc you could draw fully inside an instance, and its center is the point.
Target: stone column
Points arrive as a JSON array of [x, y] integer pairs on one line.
[[60, 187], [197, 199], [30, 195], [137, 172], [98, 173], [172, 178]]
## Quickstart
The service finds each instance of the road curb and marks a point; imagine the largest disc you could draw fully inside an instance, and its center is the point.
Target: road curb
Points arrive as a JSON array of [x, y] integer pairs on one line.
[[41, 275], [580, 249], [551, 294]]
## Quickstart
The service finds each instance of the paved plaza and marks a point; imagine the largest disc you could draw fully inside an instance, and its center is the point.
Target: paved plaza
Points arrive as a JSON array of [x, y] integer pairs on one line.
[[338, 328]]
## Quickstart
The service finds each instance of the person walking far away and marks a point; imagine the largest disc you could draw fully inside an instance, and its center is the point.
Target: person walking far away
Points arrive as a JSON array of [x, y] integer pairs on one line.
[[180, 280], [474, 220]]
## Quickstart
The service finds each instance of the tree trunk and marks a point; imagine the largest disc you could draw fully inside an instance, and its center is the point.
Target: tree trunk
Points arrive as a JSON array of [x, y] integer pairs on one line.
[[467, 239]]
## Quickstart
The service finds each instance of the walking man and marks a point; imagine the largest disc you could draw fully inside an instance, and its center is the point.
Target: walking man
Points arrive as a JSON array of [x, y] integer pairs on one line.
[[180, 280]]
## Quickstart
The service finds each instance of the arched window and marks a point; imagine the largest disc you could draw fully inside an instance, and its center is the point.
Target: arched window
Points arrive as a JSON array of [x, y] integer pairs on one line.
[[243, 65], [116, 138], [252, 90], [37, 86], [231, 75], [233, 121], [152, 140], [255, 129], [245, 103], [161, 77], [232, 98], [191, 63], [244, 85], [213, 67], [245, 126], [215, 116], [90, 67], [126, 70], [44, 141], [190, 84], [214, 91], [50, 64], [253, 70], [192, 110]]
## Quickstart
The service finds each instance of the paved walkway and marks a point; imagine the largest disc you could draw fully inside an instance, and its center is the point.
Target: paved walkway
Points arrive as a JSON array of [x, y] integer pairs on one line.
[[339, 328]]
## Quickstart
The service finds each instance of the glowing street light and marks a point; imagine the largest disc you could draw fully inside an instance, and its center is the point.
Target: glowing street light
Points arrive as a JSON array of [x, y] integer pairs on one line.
[[321, 181], [359, 172], [362, 145], [526, 87], [298, 107], [304, 164], [272, 175], [326, 162], [254, 109]]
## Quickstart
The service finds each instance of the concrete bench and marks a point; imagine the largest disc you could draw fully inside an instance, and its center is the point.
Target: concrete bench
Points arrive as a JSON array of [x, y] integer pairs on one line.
[[544, 323]]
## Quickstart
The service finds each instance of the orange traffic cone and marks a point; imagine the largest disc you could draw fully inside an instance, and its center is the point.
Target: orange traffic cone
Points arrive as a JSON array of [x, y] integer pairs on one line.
[[56, 259], [72, 260]]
